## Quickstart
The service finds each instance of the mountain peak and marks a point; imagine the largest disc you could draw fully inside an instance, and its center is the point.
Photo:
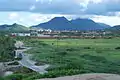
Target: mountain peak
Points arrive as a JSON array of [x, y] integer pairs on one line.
[[60, 18], [61, 23], [15, 24]]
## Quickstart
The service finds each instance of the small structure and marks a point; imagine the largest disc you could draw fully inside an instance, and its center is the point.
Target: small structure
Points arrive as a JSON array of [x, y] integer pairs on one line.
[[20, 34], [19, 44], [18, 54]]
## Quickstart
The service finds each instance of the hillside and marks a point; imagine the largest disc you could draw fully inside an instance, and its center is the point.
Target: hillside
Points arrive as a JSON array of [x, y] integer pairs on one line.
[[115, 28], [61, 23], [13, 28]]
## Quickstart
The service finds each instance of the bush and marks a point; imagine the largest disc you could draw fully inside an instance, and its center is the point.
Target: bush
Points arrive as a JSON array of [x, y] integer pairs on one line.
[[117, 48], [62, 53], [99, 51], [14, 63], [70, 49], [39, 63], [87, 47], [56, 73], [1, 78], [14, 77], [18, 59]]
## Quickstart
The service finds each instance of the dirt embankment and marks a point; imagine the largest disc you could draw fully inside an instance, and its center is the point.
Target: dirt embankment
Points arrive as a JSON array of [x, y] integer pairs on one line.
[[88, 77]]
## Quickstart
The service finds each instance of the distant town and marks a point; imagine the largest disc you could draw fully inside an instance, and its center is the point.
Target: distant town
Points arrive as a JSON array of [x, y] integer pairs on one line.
[[48, 33]]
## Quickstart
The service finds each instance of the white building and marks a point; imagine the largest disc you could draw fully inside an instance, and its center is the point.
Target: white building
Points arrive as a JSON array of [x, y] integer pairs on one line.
[[20, 34], [42, 35]]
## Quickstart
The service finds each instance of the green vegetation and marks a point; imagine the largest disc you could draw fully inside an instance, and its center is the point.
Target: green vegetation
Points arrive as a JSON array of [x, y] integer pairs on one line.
[[18, 28], [13, 28], [73, 56], [14, 77], [14, 63], [6, 48]]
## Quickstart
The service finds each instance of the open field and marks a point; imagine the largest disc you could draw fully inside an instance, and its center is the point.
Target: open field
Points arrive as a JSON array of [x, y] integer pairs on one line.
[[96, 55], [75, 56]]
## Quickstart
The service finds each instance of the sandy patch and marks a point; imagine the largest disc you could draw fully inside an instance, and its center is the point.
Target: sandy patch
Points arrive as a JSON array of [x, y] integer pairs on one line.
[[95, 76]]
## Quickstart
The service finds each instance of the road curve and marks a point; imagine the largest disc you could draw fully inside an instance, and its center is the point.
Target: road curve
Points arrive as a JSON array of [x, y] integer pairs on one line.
[[26, 62]]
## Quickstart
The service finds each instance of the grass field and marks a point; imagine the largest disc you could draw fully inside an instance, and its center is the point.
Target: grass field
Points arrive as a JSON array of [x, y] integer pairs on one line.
[[76, 56]]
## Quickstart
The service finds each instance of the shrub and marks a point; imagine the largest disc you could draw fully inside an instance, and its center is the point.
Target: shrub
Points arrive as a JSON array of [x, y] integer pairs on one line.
[[87, 47], [14, 77], [117, 48], [70, 49], [1, 78], [18, 59], [99, 51], [62, 53], [39, 63], [14, 63]]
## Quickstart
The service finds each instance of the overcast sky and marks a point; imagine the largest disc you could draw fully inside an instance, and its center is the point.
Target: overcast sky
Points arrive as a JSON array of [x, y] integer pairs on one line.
[[32, 12]]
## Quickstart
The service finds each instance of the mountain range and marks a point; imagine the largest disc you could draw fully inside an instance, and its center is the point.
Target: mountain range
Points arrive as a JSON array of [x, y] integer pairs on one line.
[[61, 23]]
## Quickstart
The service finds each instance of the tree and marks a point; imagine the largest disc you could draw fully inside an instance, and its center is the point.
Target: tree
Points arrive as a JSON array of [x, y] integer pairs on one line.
[[6, 48]]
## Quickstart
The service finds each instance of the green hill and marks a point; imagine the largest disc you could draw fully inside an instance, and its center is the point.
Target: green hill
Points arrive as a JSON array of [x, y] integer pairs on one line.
[[14, 28]]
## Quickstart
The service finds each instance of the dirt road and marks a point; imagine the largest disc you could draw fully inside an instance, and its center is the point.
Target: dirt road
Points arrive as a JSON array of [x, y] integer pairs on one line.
[[26, 62]]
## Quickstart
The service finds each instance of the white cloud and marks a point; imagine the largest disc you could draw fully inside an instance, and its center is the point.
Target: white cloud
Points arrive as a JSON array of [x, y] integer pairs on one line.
[[96, 1], [13, 16], [21, 19], [117, 14], [32, 7], [43, 17], [37, 17], [86, 2], [16, 17], [50, 1], [110, 20], [37, 0], [29, 19]]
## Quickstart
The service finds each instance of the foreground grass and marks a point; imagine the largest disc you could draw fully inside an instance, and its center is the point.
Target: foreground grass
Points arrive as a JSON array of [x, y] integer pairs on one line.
[[75, 56]]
